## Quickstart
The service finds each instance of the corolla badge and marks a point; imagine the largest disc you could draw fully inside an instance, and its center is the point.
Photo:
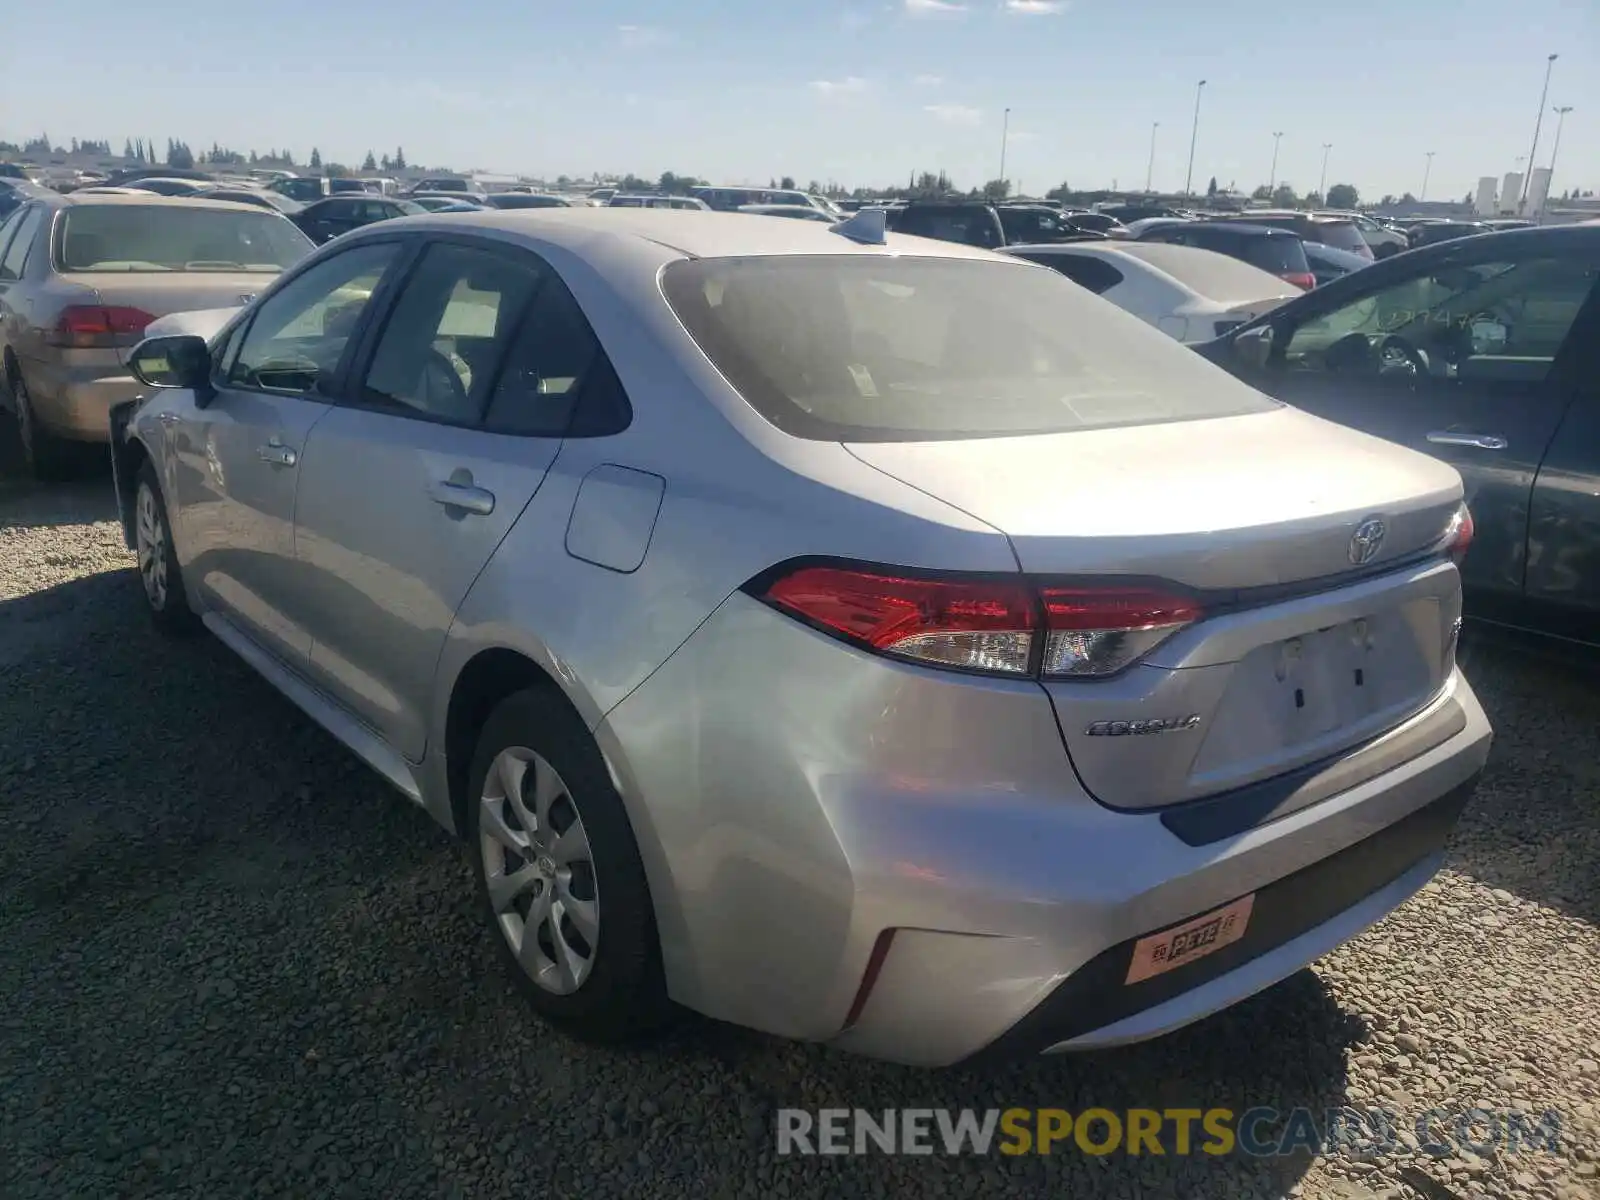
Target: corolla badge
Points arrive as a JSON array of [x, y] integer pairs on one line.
[[1138, 728], [1366, 540]]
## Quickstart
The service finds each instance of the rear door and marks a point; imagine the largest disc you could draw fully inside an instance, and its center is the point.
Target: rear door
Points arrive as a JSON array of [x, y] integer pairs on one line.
[[465, 392], [1470, 359]]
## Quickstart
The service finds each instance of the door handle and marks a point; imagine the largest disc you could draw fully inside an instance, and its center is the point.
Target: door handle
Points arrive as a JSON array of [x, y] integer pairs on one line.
[[1479, 441], [276, 453], [463, 496]]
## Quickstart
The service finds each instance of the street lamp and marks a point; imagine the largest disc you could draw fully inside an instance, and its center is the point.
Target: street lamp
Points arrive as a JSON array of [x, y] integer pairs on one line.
[[1150, 171], [1533, 154], [1426, 171], [1322, 183], [1272, 175], [1188, 178], [1561, 119], [1005, 136]]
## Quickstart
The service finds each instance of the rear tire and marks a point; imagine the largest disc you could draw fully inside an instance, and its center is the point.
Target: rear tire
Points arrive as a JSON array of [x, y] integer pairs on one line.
[[46, 457], [559, 874], [159, 573]]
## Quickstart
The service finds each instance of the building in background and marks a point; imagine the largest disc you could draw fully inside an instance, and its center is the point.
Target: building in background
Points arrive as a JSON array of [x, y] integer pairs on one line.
[[1538, 191], [1487, 201], [1510, 193]]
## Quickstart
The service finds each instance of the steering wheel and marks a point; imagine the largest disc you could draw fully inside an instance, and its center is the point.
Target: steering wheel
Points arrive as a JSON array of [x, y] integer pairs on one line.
[[439, 377], [1396, 356]]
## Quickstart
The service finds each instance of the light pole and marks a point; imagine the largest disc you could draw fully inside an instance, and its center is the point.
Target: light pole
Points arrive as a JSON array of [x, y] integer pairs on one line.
[[1533, 154], [1272, 175], [1005, 136], [1322, 183], [1561, 119], [1188, 178], [1426, 171], [1150, 171]]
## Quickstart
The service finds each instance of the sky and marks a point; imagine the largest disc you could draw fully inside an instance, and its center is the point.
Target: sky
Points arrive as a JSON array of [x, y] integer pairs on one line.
[[859, 92]]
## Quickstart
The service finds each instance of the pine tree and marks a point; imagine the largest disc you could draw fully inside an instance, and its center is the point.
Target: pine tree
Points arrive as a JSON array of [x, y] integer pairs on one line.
[[399, 159], [316, 159], [371, 164]]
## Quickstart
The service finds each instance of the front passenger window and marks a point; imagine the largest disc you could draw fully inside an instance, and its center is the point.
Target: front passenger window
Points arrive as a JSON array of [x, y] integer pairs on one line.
[[299, 335]]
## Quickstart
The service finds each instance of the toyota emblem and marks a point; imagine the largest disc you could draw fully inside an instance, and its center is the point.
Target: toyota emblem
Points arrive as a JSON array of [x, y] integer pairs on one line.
[[1366, 540]]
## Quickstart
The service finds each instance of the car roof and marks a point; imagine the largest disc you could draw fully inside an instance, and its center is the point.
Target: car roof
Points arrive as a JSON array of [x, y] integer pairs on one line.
[[703, 235], [1242, 227]]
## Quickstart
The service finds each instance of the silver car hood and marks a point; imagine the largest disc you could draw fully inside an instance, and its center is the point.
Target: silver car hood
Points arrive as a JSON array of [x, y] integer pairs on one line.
[[1232, 502]]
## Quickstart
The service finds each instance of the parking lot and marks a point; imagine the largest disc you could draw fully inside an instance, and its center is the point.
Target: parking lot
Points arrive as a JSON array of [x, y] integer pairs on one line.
[[234, 963]]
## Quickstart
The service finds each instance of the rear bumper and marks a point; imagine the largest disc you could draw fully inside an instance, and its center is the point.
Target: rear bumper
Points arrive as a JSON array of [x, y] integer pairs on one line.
[[800, 805], [74, 401]]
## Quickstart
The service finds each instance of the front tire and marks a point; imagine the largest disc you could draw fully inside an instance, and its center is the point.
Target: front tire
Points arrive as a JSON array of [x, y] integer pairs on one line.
[[559, 874], [158, 565]]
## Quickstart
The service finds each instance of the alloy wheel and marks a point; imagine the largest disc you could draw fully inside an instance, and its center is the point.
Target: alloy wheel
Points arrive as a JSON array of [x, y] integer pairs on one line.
[[150, 543], [539, 870]]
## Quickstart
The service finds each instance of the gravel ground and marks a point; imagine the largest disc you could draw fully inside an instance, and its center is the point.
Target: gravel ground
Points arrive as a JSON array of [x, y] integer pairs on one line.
[[232, 963]]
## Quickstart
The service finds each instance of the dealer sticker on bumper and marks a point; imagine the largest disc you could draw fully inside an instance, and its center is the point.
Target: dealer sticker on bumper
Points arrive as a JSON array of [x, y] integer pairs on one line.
[[1195, 938]]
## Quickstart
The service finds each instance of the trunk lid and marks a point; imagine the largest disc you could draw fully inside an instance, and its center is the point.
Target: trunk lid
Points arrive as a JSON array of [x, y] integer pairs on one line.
[[1302, 652], [161, 293]]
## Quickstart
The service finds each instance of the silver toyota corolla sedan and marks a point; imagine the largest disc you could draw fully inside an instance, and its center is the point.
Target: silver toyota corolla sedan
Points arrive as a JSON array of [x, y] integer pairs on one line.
[[865, 639]]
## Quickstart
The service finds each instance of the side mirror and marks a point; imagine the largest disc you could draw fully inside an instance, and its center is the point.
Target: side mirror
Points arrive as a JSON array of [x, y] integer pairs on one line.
[[177, 361], [1253, 347]]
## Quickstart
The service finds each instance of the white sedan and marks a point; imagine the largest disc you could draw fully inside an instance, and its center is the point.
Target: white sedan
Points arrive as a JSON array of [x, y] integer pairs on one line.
[[1194, 295]]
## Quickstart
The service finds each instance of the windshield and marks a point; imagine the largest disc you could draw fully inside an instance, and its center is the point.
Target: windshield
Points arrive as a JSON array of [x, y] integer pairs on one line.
[[148, 237], [1342, 235], [840, 348]]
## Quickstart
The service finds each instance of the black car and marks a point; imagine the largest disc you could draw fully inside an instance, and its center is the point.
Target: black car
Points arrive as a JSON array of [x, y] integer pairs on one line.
[[1328, 263], [1483, 352], [307, 189], [1339, 232], [1435, 232], [971, 224], [1276, 251], [1036, 223], [327, 219]]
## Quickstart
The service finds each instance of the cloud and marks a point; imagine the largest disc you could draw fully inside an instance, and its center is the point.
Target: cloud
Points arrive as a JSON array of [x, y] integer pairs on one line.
[[955, 114], [637, 37], [927, 80], [1035, 8], [836, 89], [933, 8]]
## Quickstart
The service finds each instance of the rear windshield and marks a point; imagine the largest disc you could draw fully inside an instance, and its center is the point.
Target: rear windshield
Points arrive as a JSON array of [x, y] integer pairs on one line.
[[145, 237], [1341, 234], [1283, 255], [845, 348]]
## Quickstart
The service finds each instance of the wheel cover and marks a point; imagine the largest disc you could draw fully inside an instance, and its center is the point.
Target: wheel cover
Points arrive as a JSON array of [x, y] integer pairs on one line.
[[150, 543], [539, 870]]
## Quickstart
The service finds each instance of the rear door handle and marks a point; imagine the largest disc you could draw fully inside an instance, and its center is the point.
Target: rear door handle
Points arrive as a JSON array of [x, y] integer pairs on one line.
[[276, 453], [1479, 441], [463, 496]]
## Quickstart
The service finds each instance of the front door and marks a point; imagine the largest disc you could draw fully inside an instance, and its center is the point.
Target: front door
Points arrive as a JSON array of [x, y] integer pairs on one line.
[[1469, 359], [240, 458], [412, 485]]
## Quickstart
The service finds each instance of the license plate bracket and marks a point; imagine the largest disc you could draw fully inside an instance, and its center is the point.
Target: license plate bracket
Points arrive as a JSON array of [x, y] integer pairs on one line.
[[1191, 940]]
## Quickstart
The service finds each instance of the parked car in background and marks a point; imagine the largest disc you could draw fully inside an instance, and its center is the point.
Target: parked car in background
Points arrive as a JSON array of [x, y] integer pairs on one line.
[[1328, 264], [1136, 229], [526, 200], [448, 183], [1191, 295], [1131, 212], [306, 189], [1273, 250], [727, 199], [1380, 238], [479, 198], [1035, 223], [14, 193], [361, 187], [1484, 352], [474, 500], [80, 279], [168, 187], [259, 197], [827, 206], [445, 203], [130, 175], [1499, 224], [1096, 222], [15, 171], [1339, 232], [1432, 233], [335, 215], [969, 223], [797, 212], [683, 202]]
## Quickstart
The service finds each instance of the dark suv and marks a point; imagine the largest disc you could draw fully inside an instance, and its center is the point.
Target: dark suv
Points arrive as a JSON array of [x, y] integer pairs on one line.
[[1275, 250], [1339, 232]]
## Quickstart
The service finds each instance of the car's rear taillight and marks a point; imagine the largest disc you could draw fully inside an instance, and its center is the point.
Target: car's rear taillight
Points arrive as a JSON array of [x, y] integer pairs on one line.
[[1301, 279], [1458, 535], [99, 326], [997, 626]]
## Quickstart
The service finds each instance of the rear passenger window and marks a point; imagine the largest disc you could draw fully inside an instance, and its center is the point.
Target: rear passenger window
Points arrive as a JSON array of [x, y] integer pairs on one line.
[[556, 380], [1095, 274], [17, 253]]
